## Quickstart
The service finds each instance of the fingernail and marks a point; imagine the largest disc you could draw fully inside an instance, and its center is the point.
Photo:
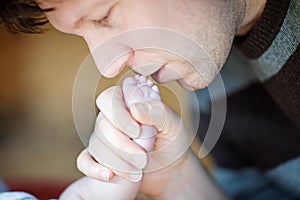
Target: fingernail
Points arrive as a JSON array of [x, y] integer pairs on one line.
[[104, 175], [136, 176]]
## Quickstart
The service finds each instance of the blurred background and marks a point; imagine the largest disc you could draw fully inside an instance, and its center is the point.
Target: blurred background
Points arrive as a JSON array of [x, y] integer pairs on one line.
[[37, 134]]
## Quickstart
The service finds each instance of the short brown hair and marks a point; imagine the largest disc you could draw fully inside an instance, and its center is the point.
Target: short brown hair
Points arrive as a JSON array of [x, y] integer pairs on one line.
[[22, 16]]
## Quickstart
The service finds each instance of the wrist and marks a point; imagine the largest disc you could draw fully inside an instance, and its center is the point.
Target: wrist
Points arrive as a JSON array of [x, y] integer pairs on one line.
[[157, 184], [191, 180], [253, 11], [179, 177]]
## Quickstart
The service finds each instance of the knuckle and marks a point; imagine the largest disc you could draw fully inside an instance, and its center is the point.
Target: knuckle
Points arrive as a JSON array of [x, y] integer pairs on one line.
[[106, 95], [80, 161], [102, 125]]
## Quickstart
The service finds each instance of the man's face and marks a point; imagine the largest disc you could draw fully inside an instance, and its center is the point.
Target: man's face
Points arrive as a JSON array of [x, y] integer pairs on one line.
[[212, 24]]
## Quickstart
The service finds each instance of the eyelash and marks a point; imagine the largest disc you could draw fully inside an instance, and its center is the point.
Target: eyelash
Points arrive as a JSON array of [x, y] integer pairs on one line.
[[104, 22]]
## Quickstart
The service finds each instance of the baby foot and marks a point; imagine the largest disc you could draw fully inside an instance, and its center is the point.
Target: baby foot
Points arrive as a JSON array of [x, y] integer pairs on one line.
[[140, 89]]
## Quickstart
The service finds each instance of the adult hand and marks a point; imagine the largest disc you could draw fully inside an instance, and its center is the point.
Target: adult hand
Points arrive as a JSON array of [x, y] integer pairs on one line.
[[174, 171], [171, 165], [111, 144]]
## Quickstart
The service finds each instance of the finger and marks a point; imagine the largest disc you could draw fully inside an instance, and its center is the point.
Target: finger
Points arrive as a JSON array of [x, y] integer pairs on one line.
[[110, 159], [89, 166], [111, 103], [172, 140], [157, 114], [119, 143], [147, 138]]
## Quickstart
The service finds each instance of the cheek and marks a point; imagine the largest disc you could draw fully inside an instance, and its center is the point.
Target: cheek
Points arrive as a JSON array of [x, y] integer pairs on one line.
[[145, 13], [169, 14]]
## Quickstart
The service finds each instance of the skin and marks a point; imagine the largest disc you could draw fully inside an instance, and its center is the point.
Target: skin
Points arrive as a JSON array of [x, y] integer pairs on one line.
[[134, 90], [103, 19], [212, 24]]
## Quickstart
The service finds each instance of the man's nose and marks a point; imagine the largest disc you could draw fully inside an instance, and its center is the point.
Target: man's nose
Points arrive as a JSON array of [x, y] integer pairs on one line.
[[111, 57]]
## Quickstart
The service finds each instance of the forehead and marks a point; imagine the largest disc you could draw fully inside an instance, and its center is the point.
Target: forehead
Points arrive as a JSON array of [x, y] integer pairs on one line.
[[46, 4], [55, 12], [65, 13]]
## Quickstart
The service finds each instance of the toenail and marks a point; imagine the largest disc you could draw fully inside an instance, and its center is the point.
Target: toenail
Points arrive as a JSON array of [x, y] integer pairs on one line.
[[155, 88], [143, 79]]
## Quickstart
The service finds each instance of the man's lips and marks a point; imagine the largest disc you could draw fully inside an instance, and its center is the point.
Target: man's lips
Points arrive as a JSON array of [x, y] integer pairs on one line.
[[166, 74], [162, 69], [146, 69], [160, 73]]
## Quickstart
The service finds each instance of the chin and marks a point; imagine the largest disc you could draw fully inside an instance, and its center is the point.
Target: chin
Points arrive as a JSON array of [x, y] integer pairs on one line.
[[192, 86]]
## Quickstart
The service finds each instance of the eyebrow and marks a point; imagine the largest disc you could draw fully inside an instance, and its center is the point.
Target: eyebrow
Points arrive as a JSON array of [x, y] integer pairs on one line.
[[51, 2], [48, 9], [76, 24]]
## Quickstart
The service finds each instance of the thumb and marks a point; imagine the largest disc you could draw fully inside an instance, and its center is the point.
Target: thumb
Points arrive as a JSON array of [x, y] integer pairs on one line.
[[171, 141], [157, 114]]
